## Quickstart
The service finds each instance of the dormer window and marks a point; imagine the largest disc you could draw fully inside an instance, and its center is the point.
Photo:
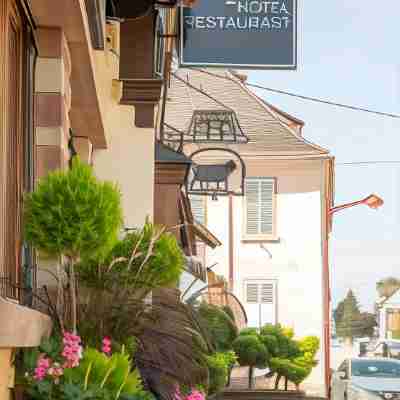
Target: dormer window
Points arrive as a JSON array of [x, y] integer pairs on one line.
[[215, 126]]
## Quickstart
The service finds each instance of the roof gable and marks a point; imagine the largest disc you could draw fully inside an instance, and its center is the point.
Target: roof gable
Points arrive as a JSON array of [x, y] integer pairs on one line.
[[263, 124]]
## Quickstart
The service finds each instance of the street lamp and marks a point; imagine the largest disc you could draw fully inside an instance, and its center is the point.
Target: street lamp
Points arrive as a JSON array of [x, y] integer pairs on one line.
[[372, 201]]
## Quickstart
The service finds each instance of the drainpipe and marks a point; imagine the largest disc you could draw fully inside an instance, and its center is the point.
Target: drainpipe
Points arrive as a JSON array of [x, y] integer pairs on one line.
[[231, 244], [327, 291], [327, 313]]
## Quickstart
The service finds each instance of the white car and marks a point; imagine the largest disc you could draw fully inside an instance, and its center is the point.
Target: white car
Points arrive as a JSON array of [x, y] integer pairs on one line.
[[367, 379]]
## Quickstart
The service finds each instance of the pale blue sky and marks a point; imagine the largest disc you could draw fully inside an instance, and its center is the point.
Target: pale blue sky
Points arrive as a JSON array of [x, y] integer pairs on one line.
[[349, 52]]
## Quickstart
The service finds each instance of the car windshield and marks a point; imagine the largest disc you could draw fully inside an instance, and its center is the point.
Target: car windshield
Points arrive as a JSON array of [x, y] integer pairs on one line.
[[375, 368]]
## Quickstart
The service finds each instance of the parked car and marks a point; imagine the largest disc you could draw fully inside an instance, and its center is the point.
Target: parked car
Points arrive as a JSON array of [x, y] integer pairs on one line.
[[386, 348], [367, 379]]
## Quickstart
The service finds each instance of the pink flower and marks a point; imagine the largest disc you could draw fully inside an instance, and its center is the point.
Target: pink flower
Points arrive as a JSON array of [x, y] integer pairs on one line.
[[72, 350], [106, 347], [195, 395], [42, 365]]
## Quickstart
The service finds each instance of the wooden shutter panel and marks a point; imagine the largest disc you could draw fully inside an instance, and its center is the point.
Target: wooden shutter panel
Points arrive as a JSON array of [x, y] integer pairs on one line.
[[260, 206], [198, 204]]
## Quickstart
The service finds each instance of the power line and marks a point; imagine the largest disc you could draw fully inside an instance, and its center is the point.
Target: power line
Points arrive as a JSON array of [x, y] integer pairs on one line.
[[317, 100], [372, 162], [299, 96]]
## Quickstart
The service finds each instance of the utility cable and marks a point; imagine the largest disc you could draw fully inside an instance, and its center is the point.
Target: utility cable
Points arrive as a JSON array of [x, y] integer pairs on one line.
[[373, 162], [299, 96]]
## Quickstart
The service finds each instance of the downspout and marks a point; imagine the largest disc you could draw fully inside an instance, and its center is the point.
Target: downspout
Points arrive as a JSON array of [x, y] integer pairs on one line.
[[328, 170], [327, 302], [231, 244]]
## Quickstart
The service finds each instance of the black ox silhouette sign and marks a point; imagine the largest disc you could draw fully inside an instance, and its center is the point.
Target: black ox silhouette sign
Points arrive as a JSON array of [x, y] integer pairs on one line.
[[212, 173]]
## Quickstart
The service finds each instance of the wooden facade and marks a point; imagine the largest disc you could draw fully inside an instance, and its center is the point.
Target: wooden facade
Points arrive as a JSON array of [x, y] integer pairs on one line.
[[16, 137]]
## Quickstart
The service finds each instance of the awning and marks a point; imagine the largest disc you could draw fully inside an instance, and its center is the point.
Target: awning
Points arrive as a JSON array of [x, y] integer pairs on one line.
[[205, 235]]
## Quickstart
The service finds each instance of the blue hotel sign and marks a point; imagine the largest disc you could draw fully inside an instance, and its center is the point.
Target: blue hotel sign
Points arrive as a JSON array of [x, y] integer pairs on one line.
[[239, 34]]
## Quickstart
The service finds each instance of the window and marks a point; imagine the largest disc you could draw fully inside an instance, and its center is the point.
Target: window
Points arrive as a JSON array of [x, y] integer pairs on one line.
[[260, 197], [260, 302], [16, 142], [198, 205]]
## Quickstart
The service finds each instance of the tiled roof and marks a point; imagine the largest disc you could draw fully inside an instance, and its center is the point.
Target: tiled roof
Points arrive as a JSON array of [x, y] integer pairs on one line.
[[196, 89]]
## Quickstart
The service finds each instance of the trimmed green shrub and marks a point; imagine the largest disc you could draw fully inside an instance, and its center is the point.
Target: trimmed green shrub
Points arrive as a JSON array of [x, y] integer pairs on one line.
[[71, 213], [220, 326], [251, 353], [290, 359], [248, 331]]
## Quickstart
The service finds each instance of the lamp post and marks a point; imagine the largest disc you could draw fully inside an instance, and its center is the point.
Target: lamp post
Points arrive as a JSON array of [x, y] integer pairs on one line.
[[372, 201]]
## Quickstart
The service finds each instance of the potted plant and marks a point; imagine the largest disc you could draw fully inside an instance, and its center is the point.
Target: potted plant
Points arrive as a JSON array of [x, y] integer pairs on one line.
[[62, 369], [72, 215]]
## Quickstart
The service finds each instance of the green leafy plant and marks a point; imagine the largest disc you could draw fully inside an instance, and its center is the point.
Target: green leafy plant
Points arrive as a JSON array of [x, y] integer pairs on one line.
[[61, 370], [219, 367], [221, 327], [143, 260], [251, 352], [74, 215]]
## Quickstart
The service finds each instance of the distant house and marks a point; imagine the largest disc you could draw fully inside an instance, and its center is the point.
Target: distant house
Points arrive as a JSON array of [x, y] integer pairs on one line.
[[389, 316], [275, 236]]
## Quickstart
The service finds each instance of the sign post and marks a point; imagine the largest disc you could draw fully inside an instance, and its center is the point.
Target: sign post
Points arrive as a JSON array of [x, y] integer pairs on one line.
[[239, 34]]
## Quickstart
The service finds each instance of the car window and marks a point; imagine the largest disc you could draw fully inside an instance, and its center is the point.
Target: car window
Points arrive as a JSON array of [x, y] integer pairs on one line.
[[375, 368]]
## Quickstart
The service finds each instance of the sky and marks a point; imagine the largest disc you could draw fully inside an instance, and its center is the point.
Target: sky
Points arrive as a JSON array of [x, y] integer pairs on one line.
[[349, 52]]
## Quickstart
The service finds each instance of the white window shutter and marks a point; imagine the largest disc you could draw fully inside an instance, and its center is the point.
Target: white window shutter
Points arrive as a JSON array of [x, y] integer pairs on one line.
[[252, 294], [198, 206], [266, 206], [252, 207], [260, 206], [267, 293]]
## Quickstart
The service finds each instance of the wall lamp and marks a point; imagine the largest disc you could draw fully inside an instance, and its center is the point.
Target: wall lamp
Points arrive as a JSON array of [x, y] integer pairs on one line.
[[372, 201]]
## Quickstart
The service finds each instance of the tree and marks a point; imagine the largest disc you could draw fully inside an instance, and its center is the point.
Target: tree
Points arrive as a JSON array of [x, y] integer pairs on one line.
[[251, 352], [290, 359], [72, 214], [350, 321]]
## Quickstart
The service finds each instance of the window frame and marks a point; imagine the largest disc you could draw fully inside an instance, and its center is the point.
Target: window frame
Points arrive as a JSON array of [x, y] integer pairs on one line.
[[261, 237], [275, 291]]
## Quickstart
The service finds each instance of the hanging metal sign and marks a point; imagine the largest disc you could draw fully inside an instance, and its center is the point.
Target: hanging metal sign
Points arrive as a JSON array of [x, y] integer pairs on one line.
[[239, 34]]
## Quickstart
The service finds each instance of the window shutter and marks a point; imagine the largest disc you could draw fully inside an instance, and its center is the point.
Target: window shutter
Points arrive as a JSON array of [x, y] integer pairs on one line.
[[260, 206], [252, 293], [253, 207], [198, 204], [267, 293]]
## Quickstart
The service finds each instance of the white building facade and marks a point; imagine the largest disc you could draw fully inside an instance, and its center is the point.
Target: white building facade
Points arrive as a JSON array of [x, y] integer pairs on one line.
[[273, 226]]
